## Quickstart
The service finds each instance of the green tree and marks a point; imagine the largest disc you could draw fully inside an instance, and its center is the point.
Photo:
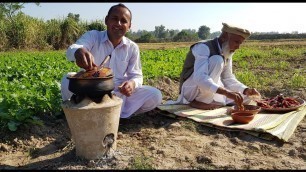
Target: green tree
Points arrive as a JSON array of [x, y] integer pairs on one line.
[[203, 32], [160, 31], [184, 36], [8, 13], [96, 25], [181, 36], [146, 37], [9, 10], [4, 38], [53, 33], [131, 35], [75, 17], [172, 33], [214, 34], [69, 32]]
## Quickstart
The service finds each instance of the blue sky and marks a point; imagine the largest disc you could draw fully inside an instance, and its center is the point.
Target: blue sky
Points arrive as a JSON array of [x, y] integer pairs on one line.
[[257, 17]]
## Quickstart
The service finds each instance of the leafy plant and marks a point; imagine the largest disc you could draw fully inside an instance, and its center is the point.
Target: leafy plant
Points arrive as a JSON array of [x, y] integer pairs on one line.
[[141, 163], [298, 80], [30, 81], [30, 86]]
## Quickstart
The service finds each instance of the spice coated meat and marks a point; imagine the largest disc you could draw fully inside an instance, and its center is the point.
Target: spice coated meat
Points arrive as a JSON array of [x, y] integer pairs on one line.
[[95, 73], [278, 101]]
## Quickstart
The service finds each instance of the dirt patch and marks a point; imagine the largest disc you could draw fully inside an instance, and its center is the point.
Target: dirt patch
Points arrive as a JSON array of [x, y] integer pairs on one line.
[[154, 141]]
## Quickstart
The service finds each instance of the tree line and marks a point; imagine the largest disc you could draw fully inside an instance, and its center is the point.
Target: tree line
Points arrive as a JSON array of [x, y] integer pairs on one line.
[[21, 31]]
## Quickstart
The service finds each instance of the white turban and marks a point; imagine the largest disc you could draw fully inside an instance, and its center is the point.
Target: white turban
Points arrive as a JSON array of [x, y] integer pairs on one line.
[[235, 30]]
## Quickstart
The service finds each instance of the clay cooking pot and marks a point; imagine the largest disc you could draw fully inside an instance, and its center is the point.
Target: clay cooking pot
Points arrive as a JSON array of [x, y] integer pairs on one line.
[[242, 117], [93, 88], [247, 108]]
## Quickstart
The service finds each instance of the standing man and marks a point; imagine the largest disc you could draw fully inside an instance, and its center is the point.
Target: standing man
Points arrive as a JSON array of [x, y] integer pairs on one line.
[[207, 81], [94, 46]]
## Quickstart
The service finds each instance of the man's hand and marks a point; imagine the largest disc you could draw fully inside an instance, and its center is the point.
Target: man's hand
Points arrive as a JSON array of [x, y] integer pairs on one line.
[[127, 88], [84, 59], [237, 97], [251, 92]]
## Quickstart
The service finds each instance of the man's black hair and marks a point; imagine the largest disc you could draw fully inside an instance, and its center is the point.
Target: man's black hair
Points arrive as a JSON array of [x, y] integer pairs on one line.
[[119, 5]]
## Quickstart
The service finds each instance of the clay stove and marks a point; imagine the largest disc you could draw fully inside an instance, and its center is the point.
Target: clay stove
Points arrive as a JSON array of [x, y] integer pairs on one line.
[[93, 124]]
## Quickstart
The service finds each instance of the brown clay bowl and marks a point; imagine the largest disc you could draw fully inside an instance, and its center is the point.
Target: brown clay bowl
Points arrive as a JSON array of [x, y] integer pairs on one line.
[[242, 117], [247, 108]]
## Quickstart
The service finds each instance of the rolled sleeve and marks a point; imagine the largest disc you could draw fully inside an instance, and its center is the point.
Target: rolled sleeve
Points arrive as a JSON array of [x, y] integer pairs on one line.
[[213, 88], [71, 50], [87, 41], [138, 82]]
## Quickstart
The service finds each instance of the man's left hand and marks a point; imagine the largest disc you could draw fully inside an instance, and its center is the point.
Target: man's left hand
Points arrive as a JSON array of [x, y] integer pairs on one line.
[[127, 88], [251, 92]]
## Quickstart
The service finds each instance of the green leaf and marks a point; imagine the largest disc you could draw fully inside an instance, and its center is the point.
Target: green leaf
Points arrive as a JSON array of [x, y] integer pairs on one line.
[[12, 125]]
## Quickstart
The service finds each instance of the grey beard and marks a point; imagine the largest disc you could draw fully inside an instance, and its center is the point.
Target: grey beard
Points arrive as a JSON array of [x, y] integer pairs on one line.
[[228, 55], [226, 52]]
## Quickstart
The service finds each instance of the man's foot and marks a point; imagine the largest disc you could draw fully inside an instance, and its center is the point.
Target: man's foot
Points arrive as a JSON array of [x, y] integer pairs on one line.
[[204, 106]]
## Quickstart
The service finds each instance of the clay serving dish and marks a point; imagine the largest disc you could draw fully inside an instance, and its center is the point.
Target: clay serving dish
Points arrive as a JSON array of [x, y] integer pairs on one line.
[[242, 117], [247, 108]]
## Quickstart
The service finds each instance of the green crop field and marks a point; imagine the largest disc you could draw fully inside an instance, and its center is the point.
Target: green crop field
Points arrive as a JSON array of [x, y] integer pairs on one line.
[[30, 81]]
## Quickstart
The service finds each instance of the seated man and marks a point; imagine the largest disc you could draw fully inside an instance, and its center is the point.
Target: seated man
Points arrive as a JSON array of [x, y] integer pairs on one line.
[[207, 81], [94, 46]]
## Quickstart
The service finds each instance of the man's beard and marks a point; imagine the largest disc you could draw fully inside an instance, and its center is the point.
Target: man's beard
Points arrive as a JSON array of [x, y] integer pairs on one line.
[[226, 50]]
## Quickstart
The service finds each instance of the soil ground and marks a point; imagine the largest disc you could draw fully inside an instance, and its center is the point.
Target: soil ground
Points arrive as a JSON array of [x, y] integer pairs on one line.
[[154, 140]]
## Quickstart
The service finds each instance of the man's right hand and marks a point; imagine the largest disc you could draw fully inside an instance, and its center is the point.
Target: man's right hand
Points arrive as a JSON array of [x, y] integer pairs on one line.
[[237, 97], [84, 59]]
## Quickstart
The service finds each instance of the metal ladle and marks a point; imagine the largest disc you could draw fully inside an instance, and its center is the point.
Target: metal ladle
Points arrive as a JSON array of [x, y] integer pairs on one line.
[[101, 65], [103, 62]]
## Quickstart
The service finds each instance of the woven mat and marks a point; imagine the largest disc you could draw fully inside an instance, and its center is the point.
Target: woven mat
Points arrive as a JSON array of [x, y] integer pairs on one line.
[[265, 125]]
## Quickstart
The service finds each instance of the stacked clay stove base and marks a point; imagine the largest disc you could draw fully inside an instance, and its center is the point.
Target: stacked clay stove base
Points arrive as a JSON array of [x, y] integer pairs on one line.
[[94, 126]]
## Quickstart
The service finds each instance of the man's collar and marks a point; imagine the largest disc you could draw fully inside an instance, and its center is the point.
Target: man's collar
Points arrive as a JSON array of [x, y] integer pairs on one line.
[[105, 38], [124, 41]]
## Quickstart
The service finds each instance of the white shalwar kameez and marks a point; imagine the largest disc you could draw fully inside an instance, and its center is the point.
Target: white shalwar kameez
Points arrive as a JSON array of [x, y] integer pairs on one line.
[[209, 74], [125, 64]]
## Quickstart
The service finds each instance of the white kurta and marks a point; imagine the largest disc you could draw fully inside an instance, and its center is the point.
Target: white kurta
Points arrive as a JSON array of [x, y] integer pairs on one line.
[[209, 74], [125, 64]]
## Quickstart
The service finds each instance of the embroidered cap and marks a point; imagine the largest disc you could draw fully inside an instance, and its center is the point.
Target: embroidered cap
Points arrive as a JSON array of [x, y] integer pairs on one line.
[[235, 30]]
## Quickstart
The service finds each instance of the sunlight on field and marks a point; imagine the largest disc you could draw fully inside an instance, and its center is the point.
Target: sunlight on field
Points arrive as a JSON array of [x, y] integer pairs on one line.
[[162, 46], [30, 80]]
